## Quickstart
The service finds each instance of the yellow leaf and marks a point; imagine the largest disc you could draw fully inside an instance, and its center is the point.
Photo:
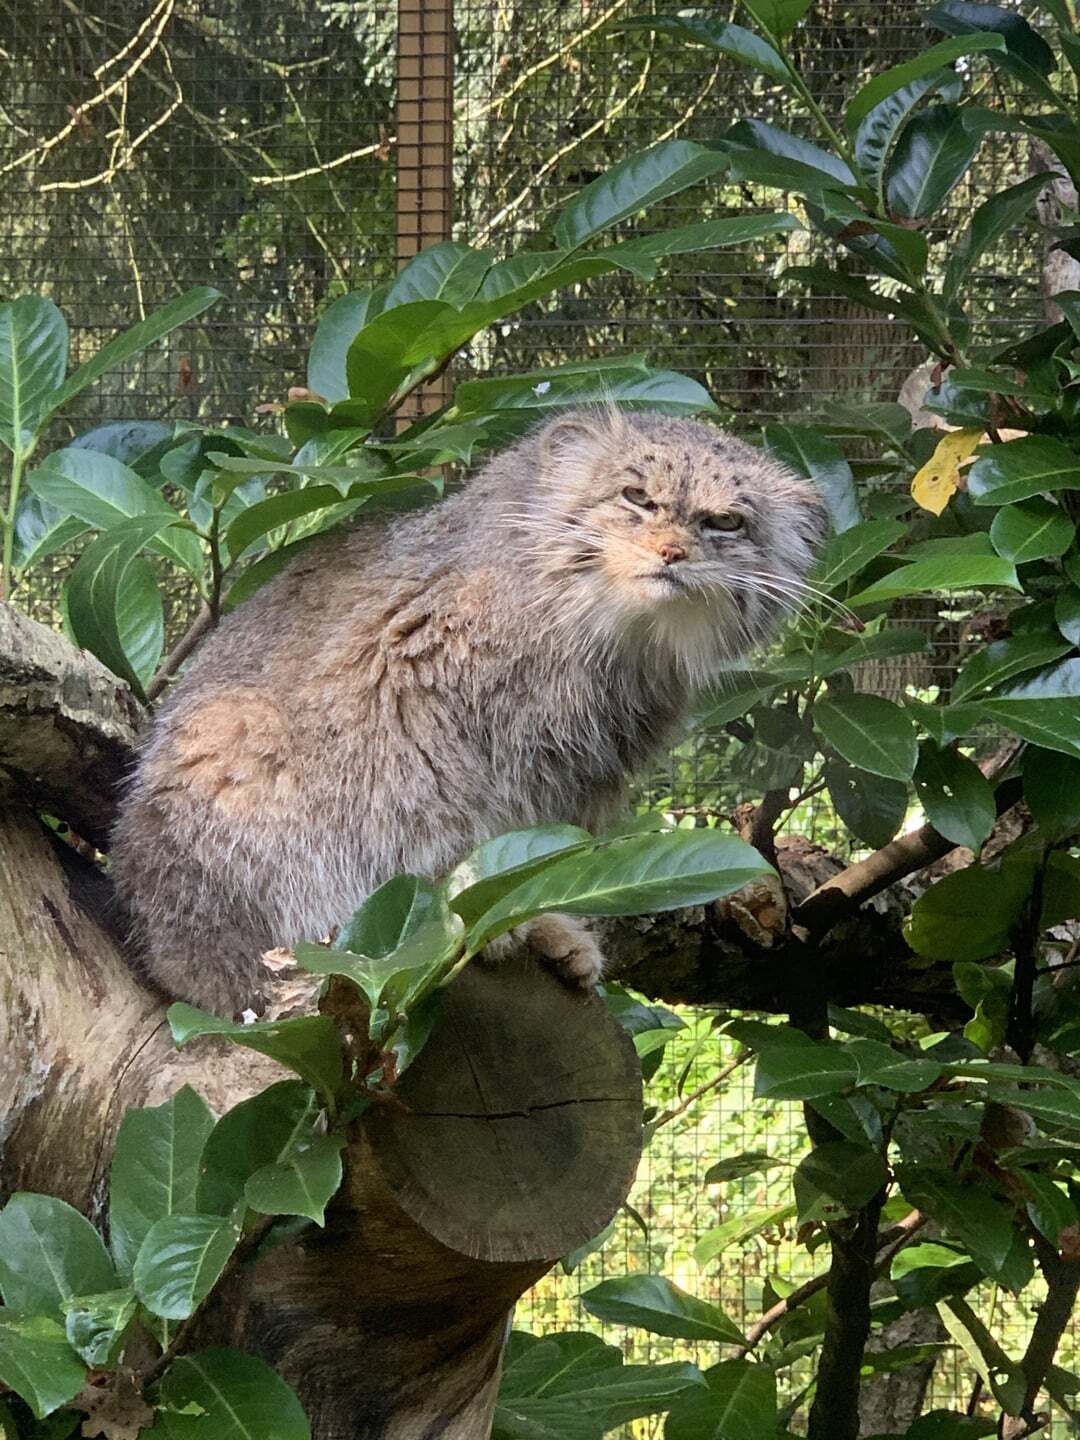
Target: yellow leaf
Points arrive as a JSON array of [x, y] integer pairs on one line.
[[939, 479]]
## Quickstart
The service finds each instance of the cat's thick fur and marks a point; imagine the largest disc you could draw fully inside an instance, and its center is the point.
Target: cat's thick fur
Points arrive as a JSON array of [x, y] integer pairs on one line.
[[502, 659]]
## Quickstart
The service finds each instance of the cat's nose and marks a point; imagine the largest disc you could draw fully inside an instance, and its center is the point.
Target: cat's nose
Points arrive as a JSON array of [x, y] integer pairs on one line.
[[671, 551]]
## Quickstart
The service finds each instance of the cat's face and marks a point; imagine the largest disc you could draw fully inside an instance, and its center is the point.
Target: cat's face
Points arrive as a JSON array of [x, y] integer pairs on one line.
[[673, 523]]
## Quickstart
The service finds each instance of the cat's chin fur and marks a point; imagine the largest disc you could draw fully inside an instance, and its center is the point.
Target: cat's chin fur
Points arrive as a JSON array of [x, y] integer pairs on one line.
[[504, 659]]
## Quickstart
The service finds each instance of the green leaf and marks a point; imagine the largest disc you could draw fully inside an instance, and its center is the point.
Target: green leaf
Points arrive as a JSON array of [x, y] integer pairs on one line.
[[940, 572], [733, 41], [949, 1425], [813, 455], [970, 914], [499, 865], [739, 1404], [33, 358], [1002, 1377], [302, 1184], [803, 1071], [879, 129], [113, 603], [155, 1170], [1049, 1207], [133, 342], [1002, 659], [649, 1302], [882, 1064], [959, 17], [41, 530], [1053, 1108], [414, 920], [705, 235], [1061, 898], [869, 732], [629, 382], [931, 157], [633, 185], [1036, 529], [872, 807], [339, 325], [1053, 724], [255, 1133], [628, 877], [778, 17], [1060, 681], [1067, 613], [759, 137], [180, 1262], [227, 1395], [386, 350], [738, 1167], [966, 1212], [391, 915], [994, 218], [103, 492], [1022, 468], [449, 271], [571, 1386], [48, 1253], [260, 519], [883, 420], [955, 795], [738, 1230], [888, 82], [836, 1178], [310, 1045], [37, 1362], [1052, 790], [96, 1324], [847, 553]]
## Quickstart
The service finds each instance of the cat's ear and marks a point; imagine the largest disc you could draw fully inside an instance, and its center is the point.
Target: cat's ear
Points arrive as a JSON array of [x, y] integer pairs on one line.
[[579, 431]]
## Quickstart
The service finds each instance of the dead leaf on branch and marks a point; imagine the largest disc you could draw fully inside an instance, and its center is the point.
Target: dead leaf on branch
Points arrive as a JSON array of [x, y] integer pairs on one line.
[[115, 1408]]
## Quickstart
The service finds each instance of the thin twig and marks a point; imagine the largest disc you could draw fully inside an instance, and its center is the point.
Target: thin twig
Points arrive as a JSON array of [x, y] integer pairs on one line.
[[706, 1089], [844, 893], [901, 1234], [192, 636]]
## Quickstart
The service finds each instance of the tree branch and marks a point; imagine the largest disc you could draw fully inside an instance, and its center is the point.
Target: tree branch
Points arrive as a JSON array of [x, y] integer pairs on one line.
[[1055, 1313], [892, 1242]]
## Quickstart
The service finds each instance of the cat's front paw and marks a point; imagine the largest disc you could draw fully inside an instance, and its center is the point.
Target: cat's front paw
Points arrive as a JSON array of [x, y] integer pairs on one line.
[[567, 946]]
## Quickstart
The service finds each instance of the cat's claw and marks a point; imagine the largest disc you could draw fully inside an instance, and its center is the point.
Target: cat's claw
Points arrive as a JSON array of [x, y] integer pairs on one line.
[[568, 947]]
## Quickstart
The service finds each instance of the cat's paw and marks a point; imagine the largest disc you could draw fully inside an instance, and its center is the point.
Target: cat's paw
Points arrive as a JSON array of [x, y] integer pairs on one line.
[[567, 946]]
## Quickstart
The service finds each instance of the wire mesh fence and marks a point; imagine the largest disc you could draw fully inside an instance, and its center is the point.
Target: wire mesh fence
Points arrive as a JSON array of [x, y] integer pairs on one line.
[[254, 145]]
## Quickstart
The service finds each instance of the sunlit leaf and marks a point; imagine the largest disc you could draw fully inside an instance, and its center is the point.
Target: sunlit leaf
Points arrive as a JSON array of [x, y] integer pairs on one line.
[[939, 479]]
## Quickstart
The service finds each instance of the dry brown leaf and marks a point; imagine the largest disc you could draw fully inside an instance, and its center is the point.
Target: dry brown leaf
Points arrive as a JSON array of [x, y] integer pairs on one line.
[[116, 1409]]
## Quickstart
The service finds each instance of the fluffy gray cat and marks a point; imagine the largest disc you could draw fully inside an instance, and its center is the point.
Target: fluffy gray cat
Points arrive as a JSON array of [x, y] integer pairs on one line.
[[503, 659]]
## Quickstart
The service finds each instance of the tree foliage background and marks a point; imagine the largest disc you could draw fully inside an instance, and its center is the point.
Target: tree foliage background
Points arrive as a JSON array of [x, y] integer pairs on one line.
[[251, 146]]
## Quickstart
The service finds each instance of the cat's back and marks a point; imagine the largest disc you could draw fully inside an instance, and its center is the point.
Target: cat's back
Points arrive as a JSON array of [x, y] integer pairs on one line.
[[328, 613]]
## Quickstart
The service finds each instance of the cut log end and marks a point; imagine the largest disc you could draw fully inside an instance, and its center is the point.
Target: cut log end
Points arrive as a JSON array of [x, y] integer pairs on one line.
[[521, 1127]]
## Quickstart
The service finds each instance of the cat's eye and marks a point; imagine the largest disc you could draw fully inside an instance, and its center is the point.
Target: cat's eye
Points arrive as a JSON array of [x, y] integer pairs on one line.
[[638, 497], [723, 523]]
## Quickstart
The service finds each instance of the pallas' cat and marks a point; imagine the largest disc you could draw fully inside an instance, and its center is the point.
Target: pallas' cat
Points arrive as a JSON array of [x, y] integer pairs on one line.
[[503, 659]]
